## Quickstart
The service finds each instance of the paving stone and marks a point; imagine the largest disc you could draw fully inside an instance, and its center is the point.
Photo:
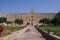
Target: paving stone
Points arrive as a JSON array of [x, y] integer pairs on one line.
[[30, 34]]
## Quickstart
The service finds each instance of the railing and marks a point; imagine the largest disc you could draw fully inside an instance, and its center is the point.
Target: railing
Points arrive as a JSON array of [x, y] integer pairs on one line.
[[47, 35]]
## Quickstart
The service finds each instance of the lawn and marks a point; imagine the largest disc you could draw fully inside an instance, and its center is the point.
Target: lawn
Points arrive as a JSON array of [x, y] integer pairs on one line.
[[53, 29], [10, 28], [56, 30]]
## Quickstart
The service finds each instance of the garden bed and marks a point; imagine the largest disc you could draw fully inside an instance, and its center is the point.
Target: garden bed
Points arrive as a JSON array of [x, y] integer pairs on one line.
[[8, 30], [55, 30]]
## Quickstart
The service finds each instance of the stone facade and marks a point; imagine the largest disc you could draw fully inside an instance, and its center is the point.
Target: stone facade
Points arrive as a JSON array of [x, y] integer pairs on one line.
[[27, 17]]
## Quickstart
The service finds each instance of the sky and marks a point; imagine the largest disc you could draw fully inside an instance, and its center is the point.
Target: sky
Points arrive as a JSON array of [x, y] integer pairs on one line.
[[23, 6]]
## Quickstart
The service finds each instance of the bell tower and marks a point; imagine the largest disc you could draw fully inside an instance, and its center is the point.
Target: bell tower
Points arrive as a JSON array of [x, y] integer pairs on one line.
[[31, 11], [31, 16]]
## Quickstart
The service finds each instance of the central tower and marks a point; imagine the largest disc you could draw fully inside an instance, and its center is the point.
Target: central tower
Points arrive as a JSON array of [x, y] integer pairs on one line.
[[31, 16], [31, 11]]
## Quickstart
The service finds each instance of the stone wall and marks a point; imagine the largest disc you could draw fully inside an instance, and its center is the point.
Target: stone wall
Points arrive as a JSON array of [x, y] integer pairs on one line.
[[27, 16]]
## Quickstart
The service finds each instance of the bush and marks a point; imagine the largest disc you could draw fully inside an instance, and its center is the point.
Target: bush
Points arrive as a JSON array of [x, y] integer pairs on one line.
[[19, 21]]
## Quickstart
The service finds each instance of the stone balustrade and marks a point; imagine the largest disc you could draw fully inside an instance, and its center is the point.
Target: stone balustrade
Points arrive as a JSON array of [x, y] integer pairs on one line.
[[47, 35], [11, 36]]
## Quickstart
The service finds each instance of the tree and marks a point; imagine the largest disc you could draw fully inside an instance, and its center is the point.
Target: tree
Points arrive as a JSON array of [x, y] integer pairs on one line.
[[3, 19], [45, 21], [56, 20], [19, 21], [58, 14]]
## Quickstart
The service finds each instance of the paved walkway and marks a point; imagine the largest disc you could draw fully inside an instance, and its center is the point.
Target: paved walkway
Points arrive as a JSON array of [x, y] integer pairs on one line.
[[31, 33]]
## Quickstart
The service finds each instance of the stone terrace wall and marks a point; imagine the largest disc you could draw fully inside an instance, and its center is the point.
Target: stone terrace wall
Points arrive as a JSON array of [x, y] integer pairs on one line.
[[48, 36]]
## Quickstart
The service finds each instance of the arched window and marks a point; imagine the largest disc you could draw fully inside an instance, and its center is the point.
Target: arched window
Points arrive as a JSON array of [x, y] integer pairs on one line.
[[20, 17], [42, 17], [36, 16], [32, 17], [26, 17], [15, 17], [48, 17]]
